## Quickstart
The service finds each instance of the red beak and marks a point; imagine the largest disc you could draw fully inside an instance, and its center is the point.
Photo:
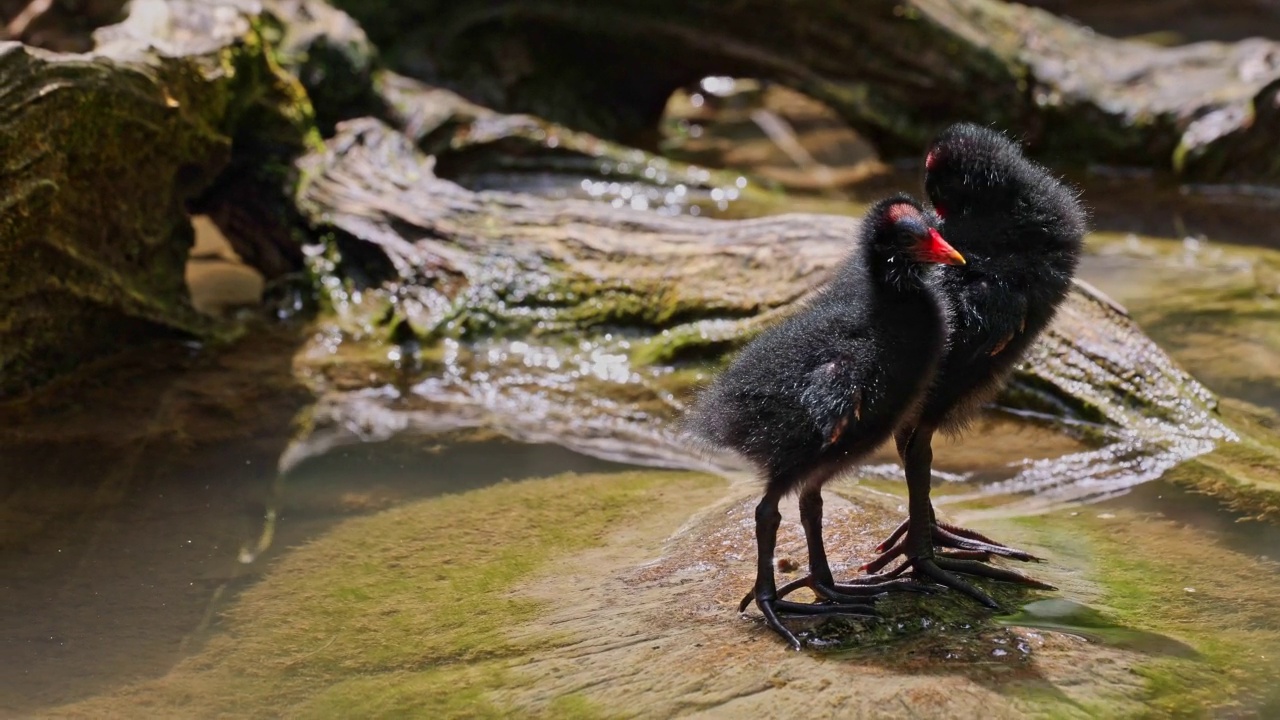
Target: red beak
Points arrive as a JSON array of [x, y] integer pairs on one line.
[[936, 250]]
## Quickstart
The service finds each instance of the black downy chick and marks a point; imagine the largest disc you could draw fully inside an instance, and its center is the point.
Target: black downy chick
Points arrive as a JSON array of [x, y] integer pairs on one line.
[[1021, 230], [812, 396]]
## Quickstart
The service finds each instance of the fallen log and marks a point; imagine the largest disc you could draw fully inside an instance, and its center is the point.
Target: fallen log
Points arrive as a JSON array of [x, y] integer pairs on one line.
[[895, 70], [587, 325]]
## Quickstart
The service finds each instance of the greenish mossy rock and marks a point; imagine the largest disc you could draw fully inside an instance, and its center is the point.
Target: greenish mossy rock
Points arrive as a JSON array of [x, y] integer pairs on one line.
[[1245, 476], [419, 607], [102, 153], [340, 70], [1216, 309], [1231, 337], [329, 54], [1200, 611]]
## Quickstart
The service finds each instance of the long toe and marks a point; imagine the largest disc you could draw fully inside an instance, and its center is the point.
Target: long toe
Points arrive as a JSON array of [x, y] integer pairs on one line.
[[972, 567], [879, 562], [893, 536], [928, 568], [773, 609], [950, 536], [851, 609], [771, 619], [880, 586], [794, 585], [854, 592], [965, 533], [978, 555]]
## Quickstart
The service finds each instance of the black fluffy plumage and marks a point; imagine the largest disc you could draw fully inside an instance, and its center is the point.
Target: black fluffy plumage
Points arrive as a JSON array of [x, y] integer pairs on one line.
[[1021, 230], [869, 340], [813, 395]]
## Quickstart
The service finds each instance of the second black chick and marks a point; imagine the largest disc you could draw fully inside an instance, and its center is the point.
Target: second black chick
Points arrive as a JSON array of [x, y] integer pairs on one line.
[[815, 394], [1022, 230]]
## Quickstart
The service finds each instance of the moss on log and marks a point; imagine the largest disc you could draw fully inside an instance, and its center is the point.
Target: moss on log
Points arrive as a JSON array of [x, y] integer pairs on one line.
[[103, 152]]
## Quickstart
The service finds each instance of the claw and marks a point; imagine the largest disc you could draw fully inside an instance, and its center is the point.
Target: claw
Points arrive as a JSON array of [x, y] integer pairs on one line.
[[771, 619], [949, 550], [853, 592], [971, 567]]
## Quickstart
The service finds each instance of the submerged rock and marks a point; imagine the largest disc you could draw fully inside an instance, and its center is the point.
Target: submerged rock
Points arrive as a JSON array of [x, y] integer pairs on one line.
[[1213, 307]]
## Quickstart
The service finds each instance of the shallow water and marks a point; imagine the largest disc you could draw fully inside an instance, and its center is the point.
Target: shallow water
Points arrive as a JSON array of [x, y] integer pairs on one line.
[[138, 509], [1217, 525], [115, 565]]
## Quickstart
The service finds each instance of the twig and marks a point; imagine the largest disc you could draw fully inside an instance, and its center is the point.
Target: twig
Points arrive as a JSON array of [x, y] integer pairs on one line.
[[32, 12]]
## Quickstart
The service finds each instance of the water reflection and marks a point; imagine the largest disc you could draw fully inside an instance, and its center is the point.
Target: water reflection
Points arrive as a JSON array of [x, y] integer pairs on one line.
[[1068, 616]]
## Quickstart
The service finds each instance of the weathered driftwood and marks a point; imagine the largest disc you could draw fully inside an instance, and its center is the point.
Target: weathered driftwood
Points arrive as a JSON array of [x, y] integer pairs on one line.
[[896, 70], [102, 153], [584, 324]]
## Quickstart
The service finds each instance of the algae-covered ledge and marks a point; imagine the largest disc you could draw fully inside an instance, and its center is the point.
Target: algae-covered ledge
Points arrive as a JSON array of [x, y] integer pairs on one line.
[[414, 608], [578, 595]]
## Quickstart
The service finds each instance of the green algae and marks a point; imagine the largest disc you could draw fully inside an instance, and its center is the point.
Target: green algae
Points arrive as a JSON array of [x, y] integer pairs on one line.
[[330, 56], [448, 692], [1200, 614], [1068, 616], [407, 611], [917, 623], [1244, 476], [413, 611]]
